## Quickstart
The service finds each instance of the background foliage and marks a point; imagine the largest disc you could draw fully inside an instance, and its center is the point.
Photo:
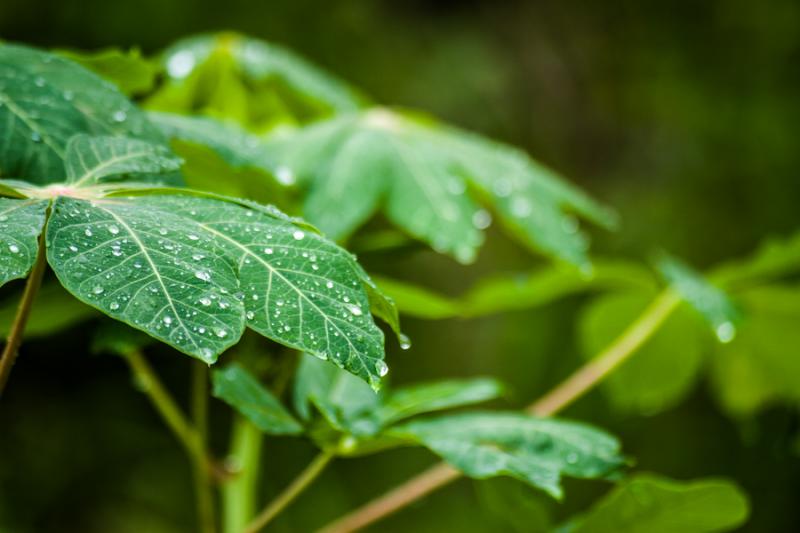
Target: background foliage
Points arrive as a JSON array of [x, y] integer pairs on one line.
[[679, 115]]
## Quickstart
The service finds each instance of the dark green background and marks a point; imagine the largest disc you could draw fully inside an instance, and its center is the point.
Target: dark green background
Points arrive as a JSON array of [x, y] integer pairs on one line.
[[683, 115]]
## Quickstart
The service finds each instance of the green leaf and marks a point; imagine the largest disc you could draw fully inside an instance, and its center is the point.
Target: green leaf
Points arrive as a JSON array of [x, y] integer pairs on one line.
[[339, 397], [663, 370], [191, 271], [54, 310], [419, 398], [654, 504], [537, 451], [128, 70], [418, 301], [44, 101], [21, 222], [237, 387], [89, 160], [513, 505], [710, 301], [775, 259], [429, 180], [249, 80], [760, 367], [118, 339]]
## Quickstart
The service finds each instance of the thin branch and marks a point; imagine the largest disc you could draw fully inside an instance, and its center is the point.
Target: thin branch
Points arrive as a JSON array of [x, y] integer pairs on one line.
[[23, 312], [203, 488], [564, 394], [295, 488]]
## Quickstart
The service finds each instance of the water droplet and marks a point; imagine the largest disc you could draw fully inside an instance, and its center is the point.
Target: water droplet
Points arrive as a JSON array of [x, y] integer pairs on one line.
[[221, 333], [13, 248], [268, 251], [88, 232], [329, 284], [39, 81], [285, 176], [520, 207], [181, 64], [68, 96], [356, 310], [36, 137], [113, 306], [572, 458], [119, 116], [168, 320], [205, 300], [405, 342], [250, 315], [98, 289], [73, 248], [382, 369], [726, 332], [298, 235], [481, 219], [193, 237], [113, 229], [202, 275]]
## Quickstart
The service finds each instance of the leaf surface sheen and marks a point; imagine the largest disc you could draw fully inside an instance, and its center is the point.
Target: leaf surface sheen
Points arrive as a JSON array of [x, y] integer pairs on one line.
[[21, 222]]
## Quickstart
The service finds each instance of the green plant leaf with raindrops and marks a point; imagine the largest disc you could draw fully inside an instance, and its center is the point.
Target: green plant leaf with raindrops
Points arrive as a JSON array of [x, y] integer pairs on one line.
[[193, 272], [237, 387], [21, 222], [432, 181], [538, 451], [252, 81], [89, 160], [44, 101]]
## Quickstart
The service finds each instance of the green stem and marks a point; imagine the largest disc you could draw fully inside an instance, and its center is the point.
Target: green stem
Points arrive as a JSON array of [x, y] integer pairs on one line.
[[575, 386], [202, 476], [295, 488], [23, 312], [190, 438], [240, 493]]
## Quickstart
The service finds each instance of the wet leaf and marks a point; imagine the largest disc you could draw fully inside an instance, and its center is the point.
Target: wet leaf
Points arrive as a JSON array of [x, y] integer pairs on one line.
[[21, 222]]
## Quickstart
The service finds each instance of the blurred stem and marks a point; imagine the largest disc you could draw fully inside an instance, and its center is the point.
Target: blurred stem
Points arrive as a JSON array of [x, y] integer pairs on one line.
[[202, 477], [188, 435], [564, 394], [239, 494], [295, 488], [23, 312]]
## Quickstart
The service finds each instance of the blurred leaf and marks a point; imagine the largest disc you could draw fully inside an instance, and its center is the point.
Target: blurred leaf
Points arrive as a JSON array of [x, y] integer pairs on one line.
[[54, 310], [653, 504], [710, 301], [512, 503], [429, 179], [419, 398], [775, 259], [128, 70], [88, 160], [237, 387], [762, 365], [254, 82], [537, 451], [662, 371], [118, 339], [45, 101], [418, 301], [21, 222], [504, 293]]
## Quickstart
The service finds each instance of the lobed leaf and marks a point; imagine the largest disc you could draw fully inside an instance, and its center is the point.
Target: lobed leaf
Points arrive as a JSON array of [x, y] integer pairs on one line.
[[534, 450], [44, 101], [654, 504], [429, 180], [240, 389], [21, 222], [192, 271]]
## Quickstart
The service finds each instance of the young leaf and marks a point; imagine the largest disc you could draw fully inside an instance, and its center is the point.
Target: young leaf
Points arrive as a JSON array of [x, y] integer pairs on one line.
[[537, 451], [192, 271], [654, 504], [247, 79], [775, 258], [91, 159], [429, 178], [710, 301], [761, 366], [128, 70], [44, 101], [237, 387], [664, 369], [21, 222]]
